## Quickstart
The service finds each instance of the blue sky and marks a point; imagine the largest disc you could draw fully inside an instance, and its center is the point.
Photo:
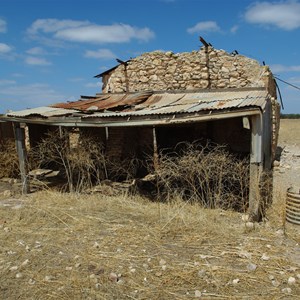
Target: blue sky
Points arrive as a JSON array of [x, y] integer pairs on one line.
[[50, 50]]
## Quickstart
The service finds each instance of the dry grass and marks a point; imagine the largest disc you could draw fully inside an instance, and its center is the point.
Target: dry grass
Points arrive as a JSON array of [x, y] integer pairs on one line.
[[97, 247], [208, 174], [9, 164]]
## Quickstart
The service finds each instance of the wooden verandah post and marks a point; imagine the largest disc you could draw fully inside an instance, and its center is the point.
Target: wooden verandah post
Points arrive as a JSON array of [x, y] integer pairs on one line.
[[256, 167], [22, 155]]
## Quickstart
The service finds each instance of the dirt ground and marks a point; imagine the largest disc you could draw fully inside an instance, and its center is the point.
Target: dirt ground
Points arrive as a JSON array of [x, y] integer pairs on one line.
[[70, 246]]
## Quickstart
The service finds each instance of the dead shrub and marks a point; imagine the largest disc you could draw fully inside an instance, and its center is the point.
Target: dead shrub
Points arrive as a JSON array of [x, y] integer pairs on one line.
[[81, 166], [206, 174], [9, 164]]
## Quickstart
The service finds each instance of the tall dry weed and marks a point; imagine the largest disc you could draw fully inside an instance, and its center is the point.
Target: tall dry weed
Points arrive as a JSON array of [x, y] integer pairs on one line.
[[9, 163], [82, 166], [206, 174]]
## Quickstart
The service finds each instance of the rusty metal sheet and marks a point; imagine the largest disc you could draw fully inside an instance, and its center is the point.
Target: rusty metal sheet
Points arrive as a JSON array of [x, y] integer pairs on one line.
[[194, 102], [106, 101], [149, 103], [43, 111]]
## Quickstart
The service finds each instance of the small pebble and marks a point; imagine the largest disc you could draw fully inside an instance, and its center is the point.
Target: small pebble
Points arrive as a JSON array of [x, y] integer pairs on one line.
[[14, 268], [251, 267], [271, 277], [48, 278], [291, 280], [198, 294], [245, 218], [113, 277], [286, 290], [265, 257], [96, 245], [235, 281], [19, 275], [97, 286], [249, 225], [31, 281], [25, 262], [275, 283]]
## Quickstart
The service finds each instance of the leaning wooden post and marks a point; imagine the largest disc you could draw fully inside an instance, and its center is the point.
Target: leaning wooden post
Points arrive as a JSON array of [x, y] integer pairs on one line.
[[22, 154], [256, 164], [155, 151]]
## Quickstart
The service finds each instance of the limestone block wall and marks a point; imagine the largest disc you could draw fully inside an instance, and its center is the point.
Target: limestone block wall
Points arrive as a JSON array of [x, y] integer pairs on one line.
[[206, 68]]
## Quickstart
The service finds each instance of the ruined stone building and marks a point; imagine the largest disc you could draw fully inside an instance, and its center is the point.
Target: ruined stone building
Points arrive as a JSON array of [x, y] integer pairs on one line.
[[158, 99]]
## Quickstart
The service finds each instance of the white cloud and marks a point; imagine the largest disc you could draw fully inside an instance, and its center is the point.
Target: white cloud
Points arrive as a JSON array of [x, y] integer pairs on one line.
[[207, 26], [284, 14], [93, 85], [234, 29], [37, 61], [53, 25], [28, 95], [5, 49], [3, 27], [6, 82], [86, 32], [277, 68], [100, 53], [36, 51]]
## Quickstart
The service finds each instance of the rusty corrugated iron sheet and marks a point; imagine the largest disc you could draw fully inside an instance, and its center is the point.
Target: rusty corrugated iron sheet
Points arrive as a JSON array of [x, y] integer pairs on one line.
[[106, 101], [150, 103], [173, 103]]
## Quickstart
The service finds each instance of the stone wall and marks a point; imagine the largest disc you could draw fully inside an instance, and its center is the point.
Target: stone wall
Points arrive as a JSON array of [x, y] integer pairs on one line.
[[206, 68]]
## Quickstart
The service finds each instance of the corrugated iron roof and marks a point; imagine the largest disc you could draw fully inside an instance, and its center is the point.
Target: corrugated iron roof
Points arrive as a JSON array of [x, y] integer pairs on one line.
[[43, 111], [153, 103]]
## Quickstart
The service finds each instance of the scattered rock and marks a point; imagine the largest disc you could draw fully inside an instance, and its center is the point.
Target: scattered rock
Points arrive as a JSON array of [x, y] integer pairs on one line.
[[245, 218], [162, 262], [96, 245], [201, 273], [97, 286], [251, 267], [31, 281], [198, 294], [235, 281], [113, 277], [14, 268], [19, 275], [271, 277], [249, 225], [48, 278], [275, 283], [25, 262], [291, 280], [286, 290], [265, 257]]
